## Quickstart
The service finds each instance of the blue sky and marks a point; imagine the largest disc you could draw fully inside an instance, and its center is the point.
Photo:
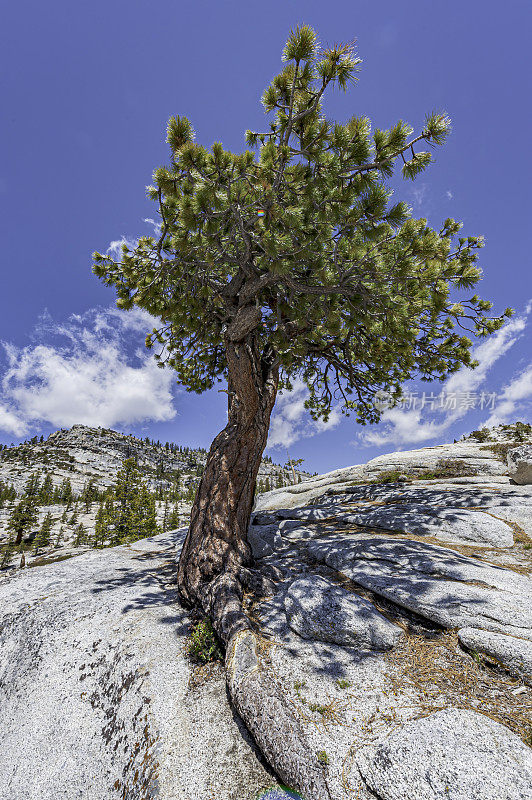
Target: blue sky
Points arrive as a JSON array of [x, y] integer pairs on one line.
[[87, 89]]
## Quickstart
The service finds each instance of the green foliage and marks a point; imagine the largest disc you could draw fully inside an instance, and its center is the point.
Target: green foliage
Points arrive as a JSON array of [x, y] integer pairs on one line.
[[203, 646], [8, 551], [128, 513], [446, 468], [500, 449], [80, 536], [323, 758], [353, 294], [482, 435], [23, 516], [42, 540], [342, 683], [47, 490]]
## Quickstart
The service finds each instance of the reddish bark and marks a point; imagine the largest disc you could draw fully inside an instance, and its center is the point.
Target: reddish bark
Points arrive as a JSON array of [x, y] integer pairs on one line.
[[216, 553]]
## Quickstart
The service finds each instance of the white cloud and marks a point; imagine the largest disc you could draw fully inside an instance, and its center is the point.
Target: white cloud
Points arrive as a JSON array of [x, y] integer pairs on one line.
[[291, 421], [408, 426], [513, 399], [115, 247], [83, 373], [155, 225], [449, 194], [11, 423]]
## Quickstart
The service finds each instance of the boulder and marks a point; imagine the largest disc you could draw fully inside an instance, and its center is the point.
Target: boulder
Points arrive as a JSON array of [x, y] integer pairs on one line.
[[442, 585], [448, 524], [514, 654], [520, 464], [449, 755], [319, 609]]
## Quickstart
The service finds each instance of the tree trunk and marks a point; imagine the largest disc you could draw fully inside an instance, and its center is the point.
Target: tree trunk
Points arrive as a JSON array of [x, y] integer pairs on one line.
[[214, 562], [216, 549]]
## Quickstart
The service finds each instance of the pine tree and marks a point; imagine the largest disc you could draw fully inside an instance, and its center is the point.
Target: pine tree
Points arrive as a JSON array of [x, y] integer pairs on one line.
[[166, 515], [80, 536], [32, 487], [8, 551], [89, 494], [59, 537], [21, 519], [66, 492], [134, 515], [173, 519], [103, 527], [47, 490], [290, 260], [42, 540]]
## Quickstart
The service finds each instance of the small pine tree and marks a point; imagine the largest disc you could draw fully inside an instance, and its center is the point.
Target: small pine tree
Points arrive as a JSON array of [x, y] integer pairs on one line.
[[32, 487], [59, 537], [42, 540], [23, 516], [66, 492], [80, 536], [173, 519], [166, 515], [47, 490], [8, 551], [89, 494]]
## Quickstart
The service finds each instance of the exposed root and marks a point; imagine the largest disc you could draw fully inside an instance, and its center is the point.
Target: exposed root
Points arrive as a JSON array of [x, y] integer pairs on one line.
[[267, 714]]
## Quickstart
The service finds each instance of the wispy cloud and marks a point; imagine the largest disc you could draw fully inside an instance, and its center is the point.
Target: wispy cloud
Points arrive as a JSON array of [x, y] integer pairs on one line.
[[403, 426], [514, 399], [449, 195], [88, 369], [115, 247], [292, 422]]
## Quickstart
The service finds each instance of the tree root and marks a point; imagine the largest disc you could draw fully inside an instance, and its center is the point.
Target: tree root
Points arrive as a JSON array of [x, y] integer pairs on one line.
[[267, 715], [255, 693]]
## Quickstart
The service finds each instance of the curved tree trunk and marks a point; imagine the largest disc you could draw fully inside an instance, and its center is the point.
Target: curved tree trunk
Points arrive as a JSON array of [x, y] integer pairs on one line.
[[216, 548], [215, 559]]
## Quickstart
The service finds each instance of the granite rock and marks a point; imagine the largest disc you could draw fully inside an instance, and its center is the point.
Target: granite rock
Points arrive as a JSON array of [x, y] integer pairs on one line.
[[319, 609], [520, 464], [449, 755]]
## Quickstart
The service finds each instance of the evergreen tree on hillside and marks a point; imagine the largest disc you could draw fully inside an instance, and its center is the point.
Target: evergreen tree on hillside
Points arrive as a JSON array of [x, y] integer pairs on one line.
[[22, 518], [80, 536], [134, 506], [42, 540], [8, 550], [104, 523], [46, 493], [173, 519], [32, 487], [89, 494], [65, 492]]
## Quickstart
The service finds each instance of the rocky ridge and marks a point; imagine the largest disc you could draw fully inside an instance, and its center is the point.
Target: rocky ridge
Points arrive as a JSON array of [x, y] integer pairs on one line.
[[83, 454], [395, 621]]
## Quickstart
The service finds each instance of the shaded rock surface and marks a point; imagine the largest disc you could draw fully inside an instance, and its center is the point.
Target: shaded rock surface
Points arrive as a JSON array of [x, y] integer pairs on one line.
[[318, 609], [446, 587], [515, 654], [450, 755]]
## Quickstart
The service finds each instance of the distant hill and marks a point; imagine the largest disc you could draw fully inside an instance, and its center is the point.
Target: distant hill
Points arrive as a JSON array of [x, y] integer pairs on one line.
[[71, 474], [81, 453]]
